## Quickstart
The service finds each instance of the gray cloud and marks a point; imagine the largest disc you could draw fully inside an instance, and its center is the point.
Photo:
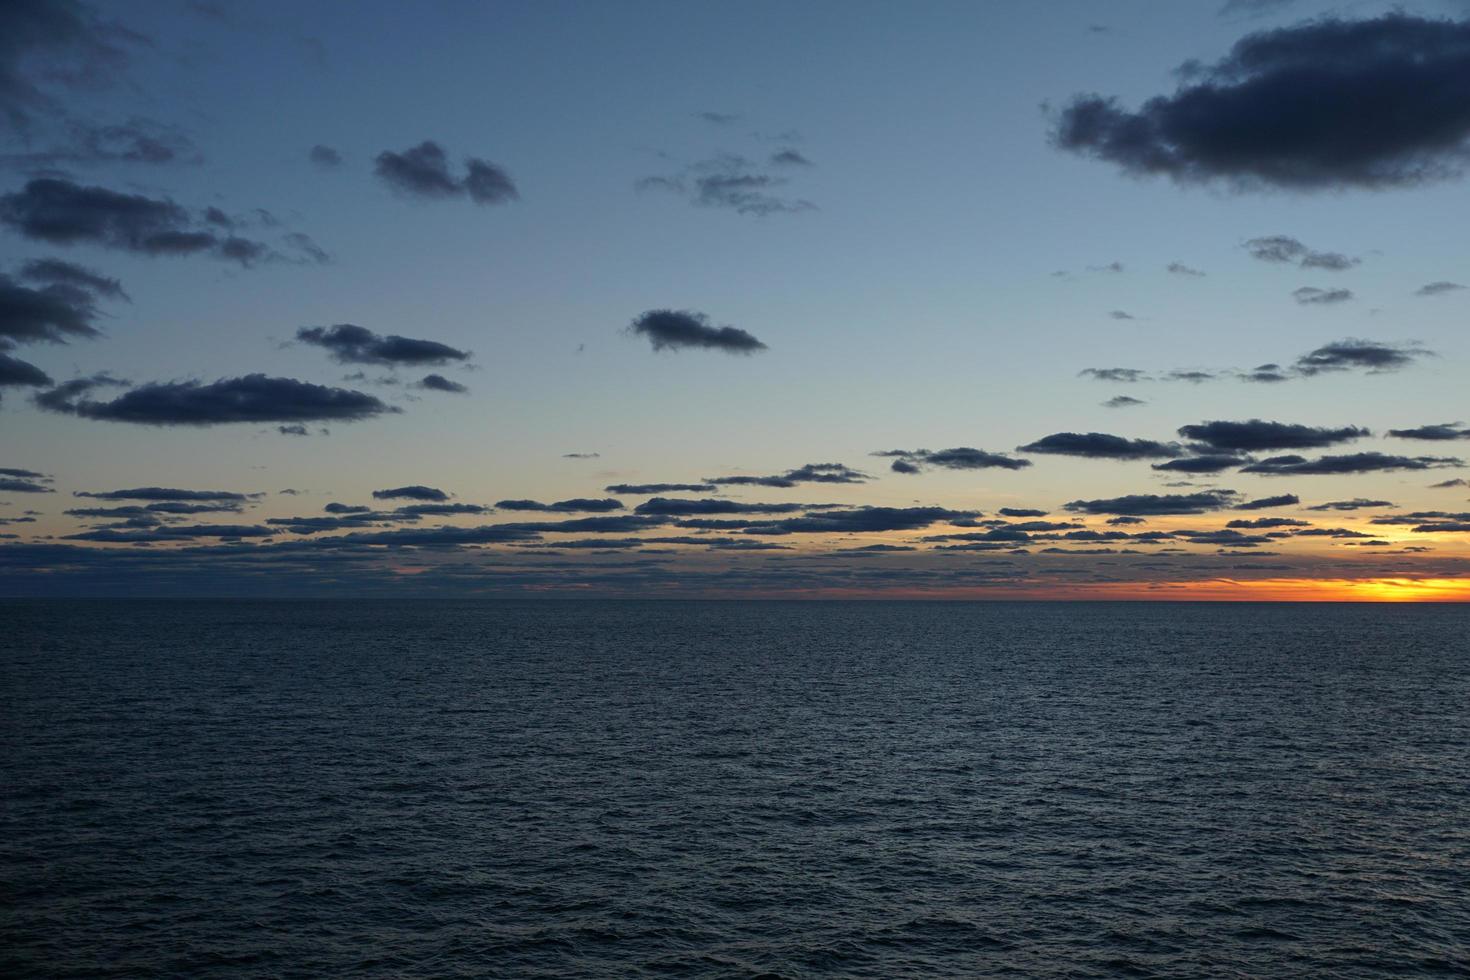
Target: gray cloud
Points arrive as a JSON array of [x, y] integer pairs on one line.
[[1311, 295], [437, 382], [1150, 504], [1100, 445], [413, 492], [1321, 105], [423, 171], [324, 156], [252, 398], [1283, 249], [1438, 288], [1123, 401], [1372, 462], [680, 329], [1265, 503], [958, 458], [1441, 432], [60, 212], [1255, 434], [351, 344]]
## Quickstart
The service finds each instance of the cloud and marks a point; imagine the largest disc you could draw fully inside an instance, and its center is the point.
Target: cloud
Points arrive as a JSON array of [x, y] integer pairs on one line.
[[169, 495], [810, 473], [292, 430], [578, 504], [1446, 484], [58, 272], [655, 488], [1357, 503], [678, 329], [1180, 269], [731, 182], [437, 382], [351, 344], [862, 520], [1267, 523], [1264, 503], [1283, 249], [1369, 355], [1326, 104], [412, 492], [423, 171], [1100, 445], [324, 156], [51, 313], [1205, 463], [1372, 462], [1123, 401], [1442, 432], [789, 158], [958, 458], [679, 507], [581, 455], [1021, 512], [1121, 315], [60, 212], [1150, 504], [15, 373], [1309, 295], [1438, 288], [1124, 375], [1256, 434], [1253, 6], [10, 484], [252, 398]]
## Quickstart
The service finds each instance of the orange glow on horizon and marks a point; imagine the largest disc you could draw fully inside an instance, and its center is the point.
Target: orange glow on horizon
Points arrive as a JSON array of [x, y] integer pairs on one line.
[[1208, 590]]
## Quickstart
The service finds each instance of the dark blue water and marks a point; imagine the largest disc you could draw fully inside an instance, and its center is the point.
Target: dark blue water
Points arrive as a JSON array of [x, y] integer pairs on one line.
[[733, 789]]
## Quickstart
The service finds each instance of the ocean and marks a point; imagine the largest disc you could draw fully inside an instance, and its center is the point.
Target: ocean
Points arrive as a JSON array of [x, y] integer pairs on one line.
[[733, 789]]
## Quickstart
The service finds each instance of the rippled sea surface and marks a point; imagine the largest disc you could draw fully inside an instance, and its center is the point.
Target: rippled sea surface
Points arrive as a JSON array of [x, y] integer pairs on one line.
[[588, 789]]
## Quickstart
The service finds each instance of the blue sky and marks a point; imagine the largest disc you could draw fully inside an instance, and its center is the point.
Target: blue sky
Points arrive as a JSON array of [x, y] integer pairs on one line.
[[942, 275]]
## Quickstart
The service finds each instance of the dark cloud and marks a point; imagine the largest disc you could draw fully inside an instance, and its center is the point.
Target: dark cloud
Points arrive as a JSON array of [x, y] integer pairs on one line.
[[336, 508], [679, 507], [1193, 377], [1125, 375], [1309, 295], [810, 473], [1123, 401], [1253, 7], [60, 212], [437, 382], [10, 484], [23, 474], [169, 495], [1446, 484], [1121, 315], [58, 272], [252, 398], [1267, 523], [1438, 288], [1021, 512], [412, 492], [1100, 445], [581, 455], [959, 458], [1267, 374], [860, 520], [324, 156], [1204, 463], [1357, 503], [1150, 504], [351, 344], [1350, 354], [1325, 104], [1352, 463], [439, 510], [1283, 249], [1255, 435], [423, 171], [292, 430], [17, 373], [655, 488], [1180, 269], [1264, 503], [578, 504], [1442, 432], [51, 313], [678, 329]]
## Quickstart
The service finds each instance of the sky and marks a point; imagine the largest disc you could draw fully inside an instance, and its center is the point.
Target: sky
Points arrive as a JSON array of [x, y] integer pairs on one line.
[[853, 300]]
